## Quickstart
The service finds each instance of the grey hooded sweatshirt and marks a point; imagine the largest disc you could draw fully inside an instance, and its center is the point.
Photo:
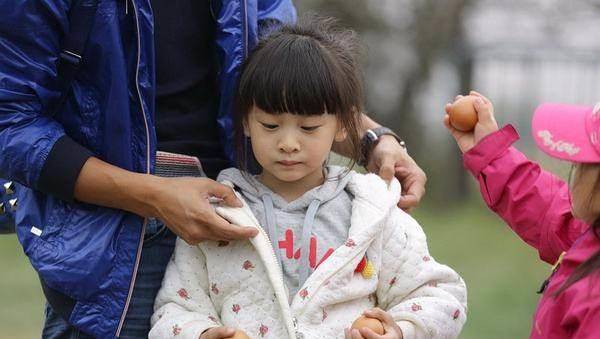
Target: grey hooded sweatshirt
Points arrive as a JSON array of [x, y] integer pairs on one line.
[[316, 223]]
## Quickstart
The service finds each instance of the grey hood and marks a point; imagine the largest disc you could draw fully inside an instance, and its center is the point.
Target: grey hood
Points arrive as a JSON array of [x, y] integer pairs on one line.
[[330, 223]]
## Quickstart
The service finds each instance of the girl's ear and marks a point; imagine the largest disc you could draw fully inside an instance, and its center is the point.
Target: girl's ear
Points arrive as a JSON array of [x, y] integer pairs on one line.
[[341, 135]]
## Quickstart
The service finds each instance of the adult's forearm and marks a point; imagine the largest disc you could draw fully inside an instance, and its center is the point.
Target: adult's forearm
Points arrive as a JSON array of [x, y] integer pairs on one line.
[[103, 184]]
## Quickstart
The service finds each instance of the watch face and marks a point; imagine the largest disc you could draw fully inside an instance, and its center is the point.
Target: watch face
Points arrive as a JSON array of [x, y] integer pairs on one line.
[[371, 135]]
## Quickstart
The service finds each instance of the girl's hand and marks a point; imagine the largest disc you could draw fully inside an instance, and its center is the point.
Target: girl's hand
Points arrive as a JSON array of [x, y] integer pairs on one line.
[[221, 332], [391, 329], [486, 123]]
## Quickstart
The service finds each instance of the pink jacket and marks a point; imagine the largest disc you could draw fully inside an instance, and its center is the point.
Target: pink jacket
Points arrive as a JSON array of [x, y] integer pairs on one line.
[[536, 205]]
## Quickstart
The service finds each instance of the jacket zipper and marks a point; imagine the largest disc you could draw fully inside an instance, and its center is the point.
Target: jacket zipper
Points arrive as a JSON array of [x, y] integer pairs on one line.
[[141, 239], [298, 334]]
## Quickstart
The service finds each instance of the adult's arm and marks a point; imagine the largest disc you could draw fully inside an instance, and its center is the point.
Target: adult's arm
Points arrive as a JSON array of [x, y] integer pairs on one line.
[[181, 203], [273, 12], [36, 151]]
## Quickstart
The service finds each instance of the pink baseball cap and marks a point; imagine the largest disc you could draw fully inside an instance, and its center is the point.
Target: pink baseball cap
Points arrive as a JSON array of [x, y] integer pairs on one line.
[[568, 132]]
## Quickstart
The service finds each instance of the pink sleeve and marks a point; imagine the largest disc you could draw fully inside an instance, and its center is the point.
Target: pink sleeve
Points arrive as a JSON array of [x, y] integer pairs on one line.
[[534, 203]]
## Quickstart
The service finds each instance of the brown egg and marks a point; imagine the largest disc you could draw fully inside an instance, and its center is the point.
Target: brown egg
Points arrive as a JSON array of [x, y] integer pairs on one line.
[[374, 324], [462, 113], [239, 335]]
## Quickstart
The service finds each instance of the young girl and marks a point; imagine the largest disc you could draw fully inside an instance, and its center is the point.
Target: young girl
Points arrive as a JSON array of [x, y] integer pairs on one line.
[[332, 244], [561, 222]]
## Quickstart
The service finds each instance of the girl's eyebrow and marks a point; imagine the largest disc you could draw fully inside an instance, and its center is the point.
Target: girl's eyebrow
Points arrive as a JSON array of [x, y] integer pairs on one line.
[[313, 117], [262, 115]]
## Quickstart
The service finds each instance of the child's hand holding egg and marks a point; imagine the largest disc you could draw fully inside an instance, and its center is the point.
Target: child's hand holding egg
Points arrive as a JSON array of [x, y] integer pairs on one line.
[[462, 113], [223, 332], [375, 323], [469, 119], [371, 323], [239, 335]]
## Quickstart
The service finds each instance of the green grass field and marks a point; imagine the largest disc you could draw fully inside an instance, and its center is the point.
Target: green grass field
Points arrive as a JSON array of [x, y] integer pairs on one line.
[[21, 299], [502, 274]]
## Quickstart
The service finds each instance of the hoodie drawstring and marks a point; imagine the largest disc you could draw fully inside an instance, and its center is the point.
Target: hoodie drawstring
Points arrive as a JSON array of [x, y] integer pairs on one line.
[[307, 226], [270, 218], [306, 235]]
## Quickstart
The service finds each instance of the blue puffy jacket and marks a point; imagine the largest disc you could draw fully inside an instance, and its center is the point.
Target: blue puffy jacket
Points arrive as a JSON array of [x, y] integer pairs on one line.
[[84, 253]]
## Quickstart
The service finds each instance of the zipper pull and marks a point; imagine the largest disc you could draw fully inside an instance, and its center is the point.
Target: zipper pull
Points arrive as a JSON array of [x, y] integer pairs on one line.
[[543, 287], [126, 7]]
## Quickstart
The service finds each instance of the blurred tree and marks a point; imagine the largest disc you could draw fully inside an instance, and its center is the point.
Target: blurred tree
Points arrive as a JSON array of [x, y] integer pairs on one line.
[[357, 14], [437, 33], [426, 30]]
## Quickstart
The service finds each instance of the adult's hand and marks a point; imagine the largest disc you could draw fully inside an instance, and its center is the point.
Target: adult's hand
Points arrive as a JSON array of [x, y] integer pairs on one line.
[[389, 160], [181, 203]]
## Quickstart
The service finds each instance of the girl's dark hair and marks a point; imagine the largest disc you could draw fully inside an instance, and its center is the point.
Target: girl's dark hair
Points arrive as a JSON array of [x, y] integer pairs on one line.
[[591, 265], [308, 68]]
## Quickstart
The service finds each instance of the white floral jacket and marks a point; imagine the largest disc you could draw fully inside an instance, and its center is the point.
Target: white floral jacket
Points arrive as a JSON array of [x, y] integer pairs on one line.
[[239, 283]]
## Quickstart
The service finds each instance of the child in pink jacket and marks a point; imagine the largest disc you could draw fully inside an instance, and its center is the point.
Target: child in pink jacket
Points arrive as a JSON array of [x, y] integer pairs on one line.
[[562, 221]]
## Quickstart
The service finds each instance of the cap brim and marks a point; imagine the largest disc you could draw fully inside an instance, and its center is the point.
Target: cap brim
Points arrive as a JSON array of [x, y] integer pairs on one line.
[[560, 131]]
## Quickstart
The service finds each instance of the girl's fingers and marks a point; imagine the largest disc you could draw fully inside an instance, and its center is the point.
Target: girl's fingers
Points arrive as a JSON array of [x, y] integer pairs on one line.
[[447, 108], [456, 134], [356, 334], [486, 100], [379, 314], [484, 113], [447, 122], [367, 333], [218, 333]]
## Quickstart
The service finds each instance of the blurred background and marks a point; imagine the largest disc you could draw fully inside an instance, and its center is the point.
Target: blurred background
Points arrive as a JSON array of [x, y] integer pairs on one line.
[[420, 54]]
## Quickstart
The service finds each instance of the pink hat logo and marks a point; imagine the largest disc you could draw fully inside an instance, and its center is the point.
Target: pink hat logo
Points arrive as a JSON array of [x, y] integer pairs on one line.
[[568, 132], [559, 145]]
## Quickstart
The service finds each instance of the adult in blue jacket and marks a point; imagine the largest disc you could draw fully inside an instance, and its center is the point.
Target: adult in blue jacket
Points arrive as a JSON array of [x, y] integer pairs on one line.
[[87, 194]]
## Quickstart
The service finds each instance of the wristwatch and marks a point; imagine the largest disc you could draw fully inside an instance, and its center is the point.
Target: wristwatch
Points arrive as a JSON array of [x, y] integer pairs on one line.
[[371, 138]]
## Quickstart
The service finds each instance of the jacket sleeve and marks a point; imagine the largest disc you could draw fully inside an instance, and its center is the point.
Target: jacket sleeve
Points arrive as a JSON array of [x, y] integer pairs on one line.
[[183, 308], [271, 13], [425, 298], [534, 203], [35, 150]]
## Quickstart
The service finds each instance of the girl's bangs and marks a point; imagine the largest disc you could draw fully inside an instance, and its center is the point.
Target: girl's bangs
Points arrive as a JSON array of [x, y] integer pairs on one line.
[[294, 74]]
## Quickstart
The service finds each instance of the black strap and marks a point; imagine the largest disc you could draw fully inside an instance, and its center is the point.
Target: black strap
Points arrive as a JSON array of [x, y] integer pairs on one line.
[[81, 19]]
